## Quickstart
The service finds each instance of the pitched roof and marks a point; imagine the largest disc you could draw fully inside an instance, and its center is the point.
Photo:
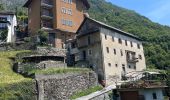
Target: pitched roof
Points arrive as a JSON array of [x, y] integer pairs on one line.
[[86, 3], [109, 27]]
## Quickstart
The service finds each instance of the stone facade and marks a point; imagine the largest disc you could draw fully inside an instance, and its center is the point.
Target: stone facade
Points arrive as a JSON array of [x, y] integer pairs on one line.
[[112, 53], [62, 86]]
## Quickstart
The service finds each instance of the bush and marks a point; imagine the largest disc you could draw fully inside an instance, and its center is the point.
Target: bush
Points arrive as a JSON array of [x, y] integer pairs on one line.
[[86, 92], [43, 36]]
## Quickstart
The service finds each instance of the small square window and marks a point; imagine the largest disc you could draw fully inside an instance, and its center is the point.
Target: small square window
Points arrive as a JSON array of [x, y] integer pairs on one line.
[[140, 57], [106, 37], [131, 44], [120, 41], [109, 64], [113, 38], [154, 96], [126, 42], [121, 52], [107, 48], [138, 46], [90, 52], [116, 65], [114, 51], [129, 66]]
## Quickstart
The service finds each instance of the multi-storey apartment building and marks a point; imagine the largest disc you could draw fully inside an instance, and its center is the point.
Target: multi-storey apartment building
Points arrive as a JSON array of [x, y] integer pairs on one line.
[[8, 21], [110, 52], [60, 18]]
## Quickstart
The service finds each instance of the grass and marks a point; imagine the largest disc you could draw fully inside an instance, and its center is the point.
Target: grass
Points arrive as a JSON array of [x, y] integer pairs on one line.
[[86, 92], [13, 86], [51, 71]]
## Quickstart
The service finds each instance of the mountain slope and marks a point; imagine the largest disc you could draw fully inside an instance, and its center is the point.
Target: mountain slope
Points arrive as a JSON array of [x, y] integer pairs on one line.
[[156, 37]]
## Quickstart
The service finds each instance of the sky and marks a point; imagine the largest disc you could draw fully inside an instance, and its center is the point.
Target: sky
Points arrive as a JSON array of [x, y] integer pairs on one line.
[[156, 10]]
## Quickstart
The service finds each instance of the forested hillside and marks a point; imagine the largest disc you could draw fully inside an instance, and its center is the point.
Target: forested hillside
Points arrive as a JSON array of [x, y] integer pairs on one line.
[[156, 37]]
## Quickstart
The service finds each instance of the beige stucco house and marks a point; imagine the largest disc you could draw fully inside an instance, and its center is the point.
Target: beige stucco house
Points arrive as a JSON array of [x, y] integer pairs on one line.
[[110, 52]]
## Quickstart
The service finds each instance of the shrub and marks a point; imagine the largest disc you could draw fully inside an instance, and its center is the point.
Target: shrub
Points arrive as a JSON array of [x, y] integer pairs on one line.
[[86, 92]]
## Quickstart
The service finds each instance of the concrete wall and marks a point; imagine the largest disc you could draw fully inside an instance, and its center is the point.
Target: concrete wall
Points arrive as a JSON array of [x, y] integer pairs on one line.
[[148, 94], [34, 16], [61, 87]]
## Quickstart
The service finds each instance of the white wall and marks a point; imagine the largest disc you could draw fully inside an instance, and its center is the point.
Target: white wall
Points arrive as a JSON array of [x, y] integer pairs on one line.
[[148, 94], [11, 27]]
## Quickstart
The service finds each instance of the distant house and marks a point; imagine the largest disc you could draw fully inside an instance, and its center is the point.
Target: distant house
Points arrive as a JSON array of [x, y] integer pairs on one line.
[[147, 88], [110, 52], [8, 21]]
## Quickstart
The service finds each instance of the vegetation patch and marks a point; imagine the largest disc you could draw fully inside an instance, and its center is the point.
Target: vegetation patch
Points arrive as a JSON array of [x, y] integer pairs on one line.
[[13, 86], [51, 71], [86, 92]]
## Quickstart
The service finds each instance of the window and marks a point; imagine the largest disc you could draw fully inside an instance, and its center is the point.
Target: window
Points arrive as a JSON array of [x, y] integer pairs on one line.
[[113, 38], [138, 46], [107, 48], [154, 96], [123, 65], [134, 67], [126, 42], [121, 52], [63, 10], [84, 55], [109, 64], [90, 52], [89, 40], [114, 51], [67, 22], [120, 41], [129, 66], [67, 1], [131, 43], [106, 37], [140, 57], [69, 11], [116, 65], [66, 11]]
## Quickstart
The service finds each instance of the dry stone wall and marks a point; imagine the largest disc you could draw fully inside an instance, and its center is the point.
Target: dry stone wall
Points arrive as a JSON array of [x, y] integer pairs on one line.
[[61, 87]]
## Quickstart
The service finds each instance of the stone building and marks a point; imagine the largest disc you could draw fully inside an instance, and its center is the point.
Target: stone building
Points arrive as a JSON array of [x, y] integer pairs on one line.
[[60, 18], [110, 52], [8, 22]]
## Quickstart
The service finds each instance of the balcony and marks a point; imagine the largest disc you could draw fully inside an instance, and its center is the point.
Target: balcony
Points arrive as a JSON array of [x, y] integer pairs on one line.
[[47, 24], [46, 14], [47, 3], [131, 57]]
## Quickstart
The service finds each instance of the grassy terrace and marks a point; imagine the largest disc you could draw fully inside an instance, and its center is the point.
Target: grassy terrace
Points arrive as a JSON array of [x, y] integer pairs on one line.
[[13, 86], [51, 71]]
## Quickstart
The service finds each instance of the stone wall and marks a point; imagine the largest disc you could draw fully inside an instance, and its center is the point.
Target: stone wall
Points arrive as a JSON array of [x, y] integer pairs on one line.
[[24, 67], [61, 87]]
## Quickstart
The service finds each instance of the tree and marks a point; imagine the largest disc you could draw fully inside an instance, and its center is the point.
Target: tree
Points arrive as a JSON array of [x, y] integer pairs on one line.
[[43, 37]]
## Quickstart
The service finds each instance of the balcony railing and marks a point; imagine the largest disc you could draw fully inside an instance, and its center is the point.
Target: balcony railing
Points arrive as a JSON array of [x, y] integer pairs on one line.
[[47, 3], [47, 25]]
